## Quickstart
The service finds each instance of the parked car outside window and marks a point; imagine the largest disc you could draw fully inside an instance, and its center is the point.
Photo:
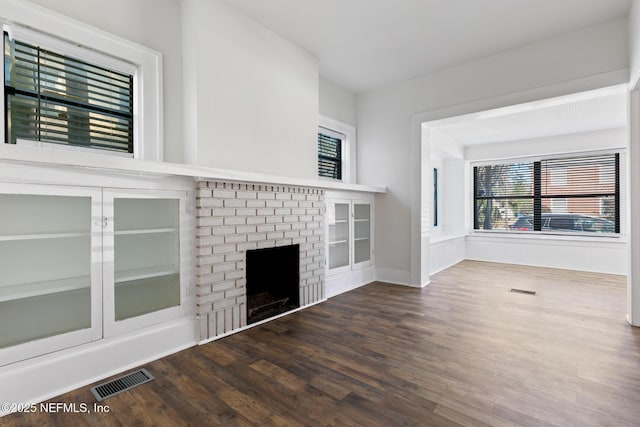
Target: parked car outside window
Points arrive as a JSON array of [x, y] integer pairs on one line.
[[565, 222]]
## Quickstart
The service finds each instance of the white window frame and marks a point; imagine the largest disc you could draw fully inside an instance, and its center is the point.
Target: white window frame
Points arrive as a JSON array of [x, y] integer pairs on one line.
[[61, 34], [348, 135]]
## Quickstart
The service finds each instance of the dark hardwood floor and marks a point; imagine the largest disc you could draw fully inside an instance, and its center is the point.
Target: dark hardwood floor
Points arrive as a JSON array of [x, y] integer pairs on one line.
[[462, 351]]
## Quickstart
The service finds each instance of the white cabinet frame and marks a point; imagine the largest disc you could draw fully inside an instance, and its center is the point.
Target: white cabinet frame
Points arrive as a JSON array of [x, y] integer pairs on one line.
[[102, 268], [111, 326], [352, 264]]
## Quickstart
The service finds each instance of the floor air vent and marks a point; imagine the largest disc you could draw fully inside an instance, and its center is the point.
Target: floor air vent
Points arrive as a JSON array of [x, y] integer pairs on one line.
[[523, 291], [121, 384]]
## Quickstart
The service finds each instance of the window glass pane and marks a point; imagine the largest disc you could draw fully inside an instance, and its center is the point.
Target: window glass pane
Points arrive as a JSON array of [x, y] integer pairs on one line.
[[329, 156], [515, 179], [504, 214], [578, 176], [588, 191]]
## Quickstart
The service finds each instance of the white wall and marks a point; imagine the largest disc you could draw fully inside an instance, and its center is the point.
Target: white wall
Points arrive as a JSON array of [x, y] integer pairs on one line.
[[152, 23], [447, 239], [448, 156], [453, 197], [389, 119], [633, 258], [577, 142], [337, 102], [256, 94], [601, 255], [444, 253], [633, 279], [634, 43]]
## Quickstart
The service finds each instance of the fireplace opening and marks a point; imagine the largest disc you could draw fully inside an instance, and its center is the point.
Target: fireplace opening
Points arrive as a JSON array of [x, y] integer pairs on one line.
[[273, 281]]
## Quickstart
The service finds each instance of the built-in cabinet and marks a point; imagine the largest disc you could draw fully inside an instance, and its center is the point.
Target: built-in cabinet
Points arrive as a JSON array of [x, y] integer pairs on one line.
[[81, 263], [349, 234]]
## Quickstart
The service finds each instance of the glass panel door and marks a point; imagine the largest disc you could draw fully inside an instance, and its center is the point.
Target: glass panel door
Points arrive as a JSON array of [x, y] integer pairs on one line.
[[361, 232], [338, 221], [46, 260], [146, 256]]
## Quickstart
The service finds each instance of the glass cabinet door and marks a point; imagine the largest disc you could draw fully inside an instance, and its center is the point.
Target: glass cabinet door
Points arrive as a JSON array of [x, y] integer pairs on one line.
[[46, 247], [144, 280], [361, 232], [338, 221]]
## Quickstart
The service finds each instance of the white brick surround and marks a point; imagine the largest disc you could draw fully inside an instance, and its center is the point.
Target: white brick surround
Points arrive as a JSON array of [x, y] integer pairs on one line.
[[232, 218]]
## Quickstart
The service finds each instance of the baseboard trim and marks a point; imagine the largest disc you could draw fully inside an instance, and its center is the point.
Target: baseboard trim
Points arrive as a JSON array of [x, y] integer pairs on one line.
[[395, 277]]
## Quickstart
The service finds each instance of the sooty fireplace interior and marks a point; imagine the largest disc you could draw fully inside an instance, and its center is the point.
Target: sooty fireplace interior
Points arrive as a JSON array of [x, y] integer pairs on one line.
[[273, 281]]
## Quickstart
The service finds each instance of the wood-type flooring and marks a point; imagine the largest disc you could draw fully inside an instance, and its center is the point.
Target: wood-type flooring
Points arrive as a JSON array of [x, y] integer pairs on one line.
[[461, 351]]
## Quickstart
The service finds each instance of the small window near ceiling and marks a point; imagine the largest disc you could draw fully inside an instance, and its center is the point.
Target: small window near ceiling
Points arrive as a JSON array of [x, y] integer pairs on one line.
[[330, 153], [55, 98]]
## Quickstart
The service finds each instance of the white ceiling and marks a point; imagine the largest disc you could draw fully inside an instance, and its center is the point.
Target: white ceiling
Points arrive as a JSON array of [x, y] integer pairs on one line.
[[589, 111], [365, 44]]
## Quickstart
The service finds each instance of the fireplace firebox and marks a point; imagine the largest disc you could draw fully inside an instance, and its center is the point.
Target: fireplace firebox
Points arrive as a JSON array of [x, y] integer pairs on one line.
[[273, 281]]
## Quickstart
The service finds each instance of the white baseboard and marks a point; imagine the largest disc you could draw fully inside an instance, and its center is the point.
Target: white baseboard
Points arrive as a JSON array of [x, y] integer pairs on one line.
[[48, 376], [345, 282], [423, 285], [396, 277]]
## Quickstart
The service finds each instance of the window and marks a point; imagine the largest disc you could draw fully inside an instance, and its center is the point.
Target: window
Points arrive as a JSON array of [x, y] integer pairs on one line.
[[336, 150], [577, 194], [330, 148], [56, 98], [70, 38], [435, 197]]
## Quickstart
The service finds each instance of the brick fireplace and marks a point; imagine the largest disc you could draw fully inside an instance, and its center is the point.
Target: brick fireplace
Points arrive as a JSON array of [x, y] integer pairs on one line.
[[232, 218]]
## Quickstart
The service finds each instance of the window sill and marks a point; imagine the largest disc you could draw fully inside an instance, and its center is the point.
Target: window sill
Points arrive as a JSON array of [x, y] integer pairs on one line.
[[43, 145], [530, 235], [445, 238]]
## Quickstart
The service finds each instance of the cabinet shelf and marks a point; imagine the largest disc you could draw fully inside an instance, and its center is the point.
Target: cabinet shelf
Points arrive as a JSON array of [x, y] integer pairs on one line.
[[339, 242], [361, 220], [122, 277], [358, 239], [8, 293], [17, 237], [145, 231]]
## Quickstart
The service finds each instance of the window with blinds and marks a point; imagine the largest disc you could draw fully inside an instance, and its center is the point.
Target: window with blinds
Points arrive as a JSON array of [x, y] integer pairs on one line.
[[574, 195], [55, 98], [329, 154]]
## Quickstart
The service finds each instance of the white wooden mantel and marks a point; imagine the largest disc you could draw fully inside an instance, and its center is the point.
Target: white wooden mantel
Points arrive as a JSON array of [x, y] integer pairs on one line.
[[49, 157]]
